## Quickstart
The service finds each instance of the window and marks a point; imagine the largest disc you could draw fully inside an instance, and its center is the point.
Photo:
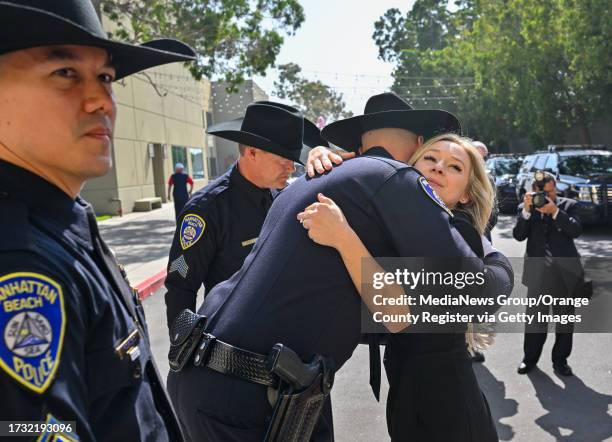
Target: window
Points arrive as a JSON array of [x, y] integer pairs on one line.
[[179, 155], [527, 163], [197, 162], [551, 163], [540, 162]]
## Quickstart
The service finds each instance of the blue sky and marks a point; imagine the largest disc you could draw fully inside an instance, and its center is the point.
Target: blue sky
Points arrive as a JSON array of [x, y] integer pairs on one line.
[[335, 45]]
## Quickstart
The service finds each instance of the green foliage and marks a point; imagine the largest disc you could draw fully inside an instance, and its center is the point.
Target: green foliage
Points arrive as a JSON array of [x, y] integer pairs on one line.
[[525, 67], [313, 98], [234, 38]]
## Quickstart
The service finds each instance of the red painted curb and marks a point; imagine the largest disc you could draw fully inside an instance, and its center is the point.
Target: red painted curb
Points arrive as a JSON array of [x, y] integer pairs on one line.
[[150, 285]]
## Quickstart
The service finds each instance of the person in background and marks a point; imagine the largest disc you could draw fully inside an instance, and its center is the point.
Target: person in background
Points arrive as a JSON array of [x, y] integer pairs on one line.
[[177, 187], [550, 231]]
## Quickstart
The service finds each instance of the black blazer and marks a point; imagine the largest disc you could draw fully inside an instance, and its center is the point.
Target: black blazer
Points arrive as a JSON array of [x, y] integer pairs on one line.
[[541, 230]]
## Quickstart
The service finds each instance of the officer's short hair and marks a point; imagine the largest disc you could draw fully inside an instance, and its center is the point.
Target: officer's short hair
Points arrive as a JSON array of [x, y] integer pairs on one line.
[[242, 149]]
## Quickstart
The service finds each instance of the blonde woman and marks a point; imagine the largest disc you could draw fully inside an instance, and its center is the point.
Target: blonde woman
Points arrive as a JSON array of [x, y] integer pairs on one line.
[[436, 389]]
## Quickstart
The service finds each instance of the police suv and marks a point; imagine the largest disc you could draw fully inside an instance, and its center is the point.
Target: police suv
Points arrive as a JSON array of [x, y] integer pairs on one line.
[[583, 172]]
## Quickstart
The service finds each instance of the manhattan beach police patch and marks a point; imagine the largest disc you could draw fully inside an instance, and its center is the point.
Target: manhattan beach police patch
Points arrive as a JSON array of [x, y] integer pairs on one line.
[[32, 322], [192, 229], [433, 195]]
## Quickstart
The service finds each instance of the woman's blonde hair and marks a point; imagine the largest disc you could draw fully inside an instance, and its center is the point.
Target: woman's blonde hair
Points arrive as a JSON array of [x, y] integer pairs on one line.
[[479, 207], [480, 191]]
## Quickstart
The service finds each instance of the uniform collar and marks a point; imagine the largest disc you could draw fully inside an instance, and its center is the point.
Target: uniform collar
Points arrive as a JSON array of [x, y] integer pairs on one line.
[[254, 193], [377, 151], [43, 199]]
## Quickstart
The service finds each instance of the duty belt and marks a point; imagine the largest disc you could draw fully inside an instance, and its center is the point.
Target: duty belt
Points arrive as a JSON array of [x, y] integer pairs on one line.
[[300, 388], [227, 359], [188, 342]]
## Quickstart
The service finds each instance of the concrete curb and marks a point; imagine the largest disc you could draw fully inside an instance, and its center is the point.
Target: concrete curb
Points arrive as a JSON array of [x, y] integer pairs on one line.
[[147, 287]]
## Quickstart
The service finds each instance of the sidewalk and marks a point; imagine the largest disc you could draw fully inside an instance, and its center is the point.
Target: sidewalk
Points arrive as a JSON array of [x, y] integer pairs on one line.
[[141, 241]]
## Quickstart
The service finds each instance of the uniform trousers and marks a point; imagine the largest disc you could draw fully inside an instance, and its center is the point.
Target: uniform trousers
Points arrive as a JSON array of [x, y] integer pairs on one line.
[[435, 398], [215, 407], [535, 333]]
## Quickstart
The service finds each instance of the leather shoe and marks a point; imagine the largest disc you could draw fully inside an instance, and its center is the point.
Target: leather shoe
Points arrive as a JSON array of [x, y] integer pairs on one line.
[[563, 369], [524, 368]]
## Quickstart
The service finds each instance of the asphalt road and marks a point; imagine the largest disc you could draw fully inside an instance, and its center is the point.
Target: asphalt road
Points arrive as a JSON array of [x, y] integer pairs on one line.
[[539, 407]]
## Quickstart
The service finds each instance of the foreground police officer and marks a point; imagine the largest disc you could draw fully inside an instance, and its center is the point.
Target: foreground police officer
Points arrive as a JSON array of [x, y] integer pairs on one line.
[[75, 345], [274, 297], [219, 226]]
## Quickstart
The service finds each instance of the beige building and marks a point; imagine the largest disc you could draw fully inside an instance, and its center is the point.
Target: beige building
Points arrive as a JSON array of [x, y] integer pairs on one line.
[[162, 118]]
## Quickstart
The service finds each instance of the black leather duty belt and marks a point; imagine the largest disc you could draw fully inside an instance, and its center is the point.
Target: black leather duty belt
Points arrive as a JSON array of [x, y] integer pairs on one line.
[[233, 361]]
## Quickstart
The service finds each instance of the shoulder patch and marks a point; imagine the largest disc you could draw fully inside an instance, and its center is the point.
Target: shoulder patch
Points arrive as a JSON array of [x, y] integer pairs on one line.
[[32, 323], [431, 193], [57, 431], [192, 229]]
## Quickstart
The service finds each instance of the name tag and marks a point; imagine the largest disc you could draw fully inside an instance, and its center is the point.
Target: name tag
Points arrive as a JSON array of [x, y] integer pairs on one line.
[[248, 242], [129, 346]]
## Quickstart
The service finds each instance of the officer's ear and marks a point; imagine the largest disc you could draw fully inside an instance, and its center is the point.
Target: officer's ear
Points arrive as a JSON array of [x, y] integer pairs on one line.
[[420, 141]]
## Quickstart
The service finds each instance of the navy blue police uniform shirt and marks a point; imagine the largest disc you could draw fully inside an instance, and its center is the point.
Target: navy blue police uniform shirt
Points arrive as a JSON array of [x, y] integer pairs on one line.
[[294, 291], [72, 348], [215, 232]]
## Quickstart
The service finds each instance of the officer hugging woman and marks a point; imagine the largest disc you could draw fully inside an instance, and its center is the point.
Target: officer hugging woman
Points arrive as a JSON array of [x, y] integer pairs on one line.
[[257, 361]]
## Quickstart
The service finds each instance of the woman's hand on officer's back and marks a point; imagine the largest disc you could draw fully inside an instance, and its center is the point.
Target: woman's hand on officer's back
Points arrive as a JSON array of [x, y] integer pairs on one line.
[[326, 223]]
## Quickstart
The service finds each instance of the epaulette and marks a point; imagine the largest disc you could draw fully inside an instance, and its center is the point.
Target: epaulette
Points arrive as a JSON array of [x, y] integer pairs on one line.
[[15, 228], [205, 196]]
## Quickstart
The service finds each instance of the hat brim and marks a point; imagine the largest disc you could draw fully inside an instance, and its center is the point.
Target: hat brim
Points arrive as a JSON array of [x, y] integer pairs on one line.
[[427, 122], [36, 27], [231, 130]]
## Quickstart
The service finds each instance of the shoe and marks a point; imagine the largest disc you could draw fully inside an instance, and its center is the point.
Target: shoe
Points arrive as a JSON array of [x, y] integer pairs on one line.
[[478, 357], [563, 369], [524, 368]]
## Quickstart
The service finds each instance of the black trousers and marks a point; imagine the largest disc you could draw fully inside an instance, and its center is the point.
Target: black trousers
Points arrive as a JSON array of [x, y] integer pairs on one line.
[[215, 407], [537, 331], [436, 398]]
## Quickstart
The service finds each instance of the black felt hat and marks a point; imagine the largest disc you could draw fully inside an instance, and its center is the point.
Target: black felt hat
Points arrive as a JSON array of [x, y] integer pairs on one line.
[[32, 23], [273, 127], [312, 134], [388, 110]]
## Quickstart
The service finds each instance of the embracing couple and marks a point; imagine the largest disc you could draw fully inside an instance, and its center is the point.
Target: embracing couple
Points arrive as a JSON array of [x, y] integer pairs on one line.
[[415, 189]]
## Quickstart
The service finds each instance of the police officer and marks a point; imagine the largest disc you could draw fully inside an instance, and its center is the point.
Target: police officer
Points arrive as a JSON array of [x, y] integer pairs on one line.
[[274, 297], [75, 345], [220, 224], [552, 266], [430, 374]]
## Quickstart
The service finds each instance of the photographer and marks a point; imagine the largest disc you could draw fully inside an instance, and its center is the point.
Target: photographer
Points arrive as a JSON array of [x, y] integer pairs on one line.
[[549, 224]]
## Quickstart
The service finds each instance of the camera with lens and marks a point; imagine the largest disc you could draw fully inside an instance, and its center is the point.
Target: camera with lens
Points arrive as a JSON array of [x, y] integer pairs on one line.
[[539, 198]]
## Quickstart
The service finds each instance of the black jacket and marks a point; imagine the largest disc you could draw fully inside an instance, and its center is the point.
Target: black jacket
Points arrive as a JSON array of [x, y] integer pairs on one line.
[[541, 231]]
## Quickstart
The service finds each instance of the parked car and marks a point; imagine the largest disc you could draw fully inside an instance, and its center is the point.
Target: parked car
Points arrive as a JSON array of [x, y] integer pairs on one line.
[[583, 173], [504, 168]]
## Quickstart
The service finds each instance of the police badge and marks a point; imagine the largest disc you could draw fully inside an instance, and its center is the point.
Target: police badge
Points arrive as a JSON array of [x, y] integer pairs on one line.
[[431, 193], [32, 322], [192, 229]]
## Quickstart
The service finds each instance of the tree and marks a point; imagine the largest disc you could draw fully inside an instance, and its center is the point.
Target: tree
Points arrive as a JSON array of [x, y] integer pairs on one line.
[[229, 35], [313, 98], [523, 67]]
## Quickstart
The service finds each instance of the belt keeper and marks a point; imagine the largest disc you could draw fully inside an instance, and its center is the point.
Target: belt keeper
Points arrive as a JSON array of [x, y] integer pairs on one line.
[[203, 350]]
